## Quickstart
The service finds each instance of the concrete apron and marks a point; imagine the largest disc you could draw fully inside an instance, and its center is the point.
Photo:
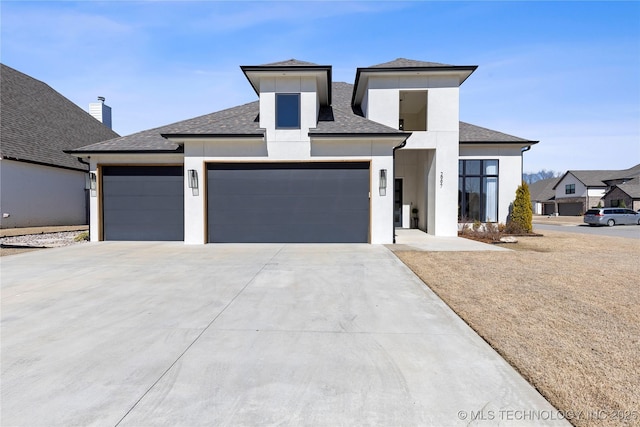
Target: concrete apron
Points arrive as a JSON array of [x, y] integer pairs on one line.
[[131, 333]]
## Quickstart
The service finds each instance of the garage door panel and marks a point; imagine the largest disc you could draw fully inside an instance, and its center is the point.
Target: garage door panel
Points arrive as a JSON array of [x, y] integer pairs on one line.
[[309, 202], [143, 203]]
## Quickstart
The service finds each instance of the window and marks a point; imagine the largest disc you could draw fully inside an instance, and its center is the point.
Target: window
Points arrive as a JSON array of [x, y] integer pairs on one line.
[[288, 111], [570, 189], [478, 190]]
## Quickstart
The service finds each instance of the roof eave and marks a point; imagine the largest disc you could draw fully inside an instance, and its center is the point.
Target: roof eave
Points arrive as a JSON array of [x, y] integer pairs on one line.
[[81, 153], [246, 69], [464, 70]]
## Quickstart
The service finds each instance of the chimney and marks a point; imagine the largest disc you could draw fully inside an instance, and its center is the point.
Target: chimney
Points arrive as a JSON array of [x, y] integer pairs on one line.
[[101, 112]]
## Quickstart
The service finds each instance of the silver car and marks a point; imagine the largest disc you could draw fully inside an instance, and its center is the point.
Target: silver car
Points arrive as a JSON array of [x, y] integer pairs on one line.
[[611, 216]]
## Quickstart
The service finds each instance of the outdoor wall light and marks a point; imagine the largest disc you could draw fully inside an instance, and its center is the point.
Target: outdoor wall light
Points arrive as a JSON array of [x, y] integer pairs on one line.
[[383, 182], [193, 178], [93, 181]]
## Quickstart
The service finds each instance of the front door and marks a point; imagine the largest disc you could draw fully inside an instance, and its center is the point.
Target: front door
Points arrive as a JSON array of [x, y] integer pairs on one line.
[[397, 203]]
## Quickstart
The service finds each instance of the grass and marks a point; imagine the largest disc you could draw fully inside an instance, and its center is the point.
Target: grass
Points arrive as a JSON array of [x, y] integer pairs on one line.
[[563, 309]]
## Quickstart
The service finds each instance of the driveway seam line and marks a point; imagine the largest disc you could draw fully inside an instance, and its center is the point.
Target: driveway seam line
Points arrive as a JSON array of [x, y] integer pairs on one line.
[[166, 371]]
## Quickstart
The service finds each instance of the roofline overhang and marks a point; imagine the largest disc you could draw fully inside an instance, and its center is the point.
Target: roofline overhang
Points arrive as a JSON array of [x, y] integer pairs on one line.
[[82, 153], [171, 136], [520, 143], [359, 135], [291, 70], [34, 162], [463, 72]]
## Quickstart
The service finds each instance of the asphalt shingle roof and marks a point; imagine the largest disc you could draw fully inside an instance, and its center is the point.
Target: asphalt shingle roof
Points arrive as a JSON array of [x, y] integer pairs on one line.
[[631, 187], [409, 63], [290, 63], [542, 190], [38, 123], [597, 178], [475, 134], [340, 119]]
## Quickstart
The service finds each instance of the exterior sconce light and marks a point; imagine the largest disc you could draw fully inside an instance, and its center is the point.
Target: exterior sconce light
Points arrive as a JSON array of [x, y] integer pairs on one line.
[[383, 182], [193, 181], [93, 183]]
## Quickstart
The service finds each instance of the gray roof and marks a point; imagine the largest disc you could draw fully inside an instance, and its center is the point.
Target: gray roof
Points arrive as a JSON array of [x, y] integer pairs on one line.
[[290, 63], [543, 190], [631, 187], [598, 178], [338, 119], [409, 63], [470, 134], [38, 123]]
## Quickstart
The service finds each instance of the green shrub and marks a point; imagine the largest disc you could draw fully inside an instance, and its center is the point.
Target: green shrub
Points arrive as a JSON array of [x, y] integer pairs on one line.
[[521, 218], [82, 236], [623, 204]]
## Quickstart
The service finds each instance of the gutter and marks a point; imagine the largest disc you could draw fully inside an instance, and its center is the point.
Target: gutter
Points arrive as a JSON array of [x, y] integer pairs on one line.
[[393, 184], [522, 151]]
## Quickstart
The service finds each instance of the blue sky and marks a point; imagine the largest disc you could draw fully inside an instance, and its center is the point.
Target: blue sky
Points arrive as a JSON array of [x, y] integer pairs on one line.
[[564, 73]]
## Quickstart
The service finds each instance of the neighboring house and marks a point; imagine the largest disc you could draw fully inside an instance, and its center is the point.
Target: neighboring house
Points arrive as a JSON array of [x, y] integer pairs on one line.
[[311, 161], [543, 196], [40, 184], [579, 190], [627, 192]]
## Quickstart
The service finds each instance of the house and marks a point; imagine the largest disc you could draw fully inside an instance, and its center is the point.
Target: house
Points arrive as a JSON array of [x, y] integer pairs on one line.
[[311, 160], [626, 193], [578, 190], [40, 184], [543, 196]]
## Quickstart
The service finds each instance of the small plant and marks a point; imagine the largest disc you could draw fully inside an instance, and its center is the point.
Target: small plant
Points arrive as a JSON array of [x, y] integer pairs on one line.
[[82, 236], [623, 204], [501, 227], [599, 204], [476, 225]]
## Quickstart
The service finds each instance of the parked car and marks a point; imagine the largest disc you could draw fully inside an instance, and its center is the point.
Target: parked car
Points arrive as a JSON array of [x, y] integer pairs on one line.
[[611, 216]]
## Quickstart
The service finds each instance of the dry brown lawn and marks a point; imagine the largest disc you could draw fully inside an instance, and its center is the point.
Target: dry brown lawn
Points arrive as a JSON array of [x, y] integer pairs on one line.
[[563, 309]]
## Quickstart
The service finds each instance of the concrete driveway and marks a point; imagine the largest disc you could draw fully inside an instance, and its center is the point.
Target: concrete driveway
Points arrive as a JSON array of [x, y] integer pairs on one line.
[[142, 334]]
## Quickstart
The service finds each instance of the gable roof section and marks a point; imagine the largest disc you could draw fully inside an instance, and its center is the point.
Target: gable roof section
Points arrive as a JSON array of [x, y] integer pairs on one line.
[[472, 134], [38, 123], [598, 178], [631, 188], [542, 190]]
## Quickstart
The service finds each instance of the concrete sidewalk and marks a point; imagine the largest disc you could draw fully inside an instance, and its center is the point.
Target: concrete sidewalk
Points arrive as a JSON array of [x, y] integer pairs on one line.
[[417, 240], [162, 333]]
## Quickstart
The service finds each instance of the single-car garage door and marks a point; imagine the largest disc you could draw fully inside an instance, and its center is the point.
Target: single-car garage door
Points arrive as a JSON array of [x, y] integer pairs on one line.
[[288, 202], [143, 202]]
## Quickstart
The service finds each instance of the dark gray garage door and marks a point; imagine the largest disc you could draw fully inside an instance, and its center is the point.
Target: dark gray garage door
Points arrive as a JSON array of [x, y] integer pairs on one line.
[[570, 209], [143, 202], [288, 202]]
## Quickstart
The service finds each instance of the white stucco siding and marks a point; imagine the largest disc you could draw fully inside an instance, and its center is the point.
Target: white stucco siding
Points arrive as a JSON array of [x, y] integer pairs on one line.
[[36, 195], [509, 171], [580, 188]]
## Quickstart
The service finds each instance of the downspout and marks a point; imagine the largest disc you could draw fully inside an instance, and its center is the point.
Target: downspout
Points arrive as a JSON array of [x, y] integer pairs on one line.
[[522, 151], [393, 185], [87, 210]]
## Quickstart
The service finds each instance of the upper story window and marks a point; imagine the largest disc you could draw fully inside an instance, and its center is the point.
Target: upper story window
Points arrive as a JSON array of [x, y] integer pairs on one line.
[[413, 110], [570, 189], [287, 111]]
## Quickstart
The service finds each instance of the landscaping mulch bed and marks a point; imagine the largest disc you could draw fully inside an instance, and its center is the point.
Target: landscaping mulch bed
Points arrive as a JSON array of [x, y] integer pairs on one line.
[[563, 309]]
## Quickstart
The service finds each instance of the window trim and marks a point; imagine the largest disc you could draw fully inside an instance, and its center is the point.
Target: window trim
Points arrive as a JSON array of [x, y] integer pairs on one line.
[[482, 176], [287, 94]]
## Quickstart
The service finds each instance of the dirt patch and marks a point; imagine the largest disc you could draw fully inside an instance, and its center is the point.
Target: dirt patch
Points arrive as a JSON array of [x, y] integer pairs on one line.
[[562, 309]]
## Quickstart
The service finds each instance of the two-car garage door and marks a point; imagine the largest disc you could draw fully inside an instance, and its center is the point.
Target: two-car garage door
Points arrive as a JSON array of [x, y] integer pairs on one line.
[[288, 202]]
